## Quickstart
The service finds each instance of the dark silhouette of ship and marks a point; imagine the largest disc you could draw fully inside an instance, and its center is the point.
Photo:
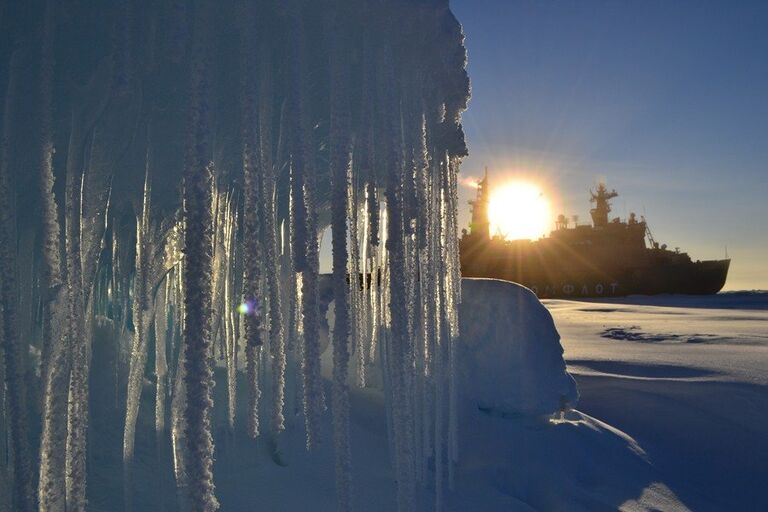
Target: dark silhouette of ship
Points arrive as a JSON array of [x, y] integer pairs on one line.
[[608, 258]]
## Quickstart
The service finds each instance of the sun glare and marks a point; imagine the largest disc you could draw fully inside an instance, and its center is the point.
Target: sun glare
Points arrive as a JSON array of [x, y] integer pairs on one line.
[[518, 211]]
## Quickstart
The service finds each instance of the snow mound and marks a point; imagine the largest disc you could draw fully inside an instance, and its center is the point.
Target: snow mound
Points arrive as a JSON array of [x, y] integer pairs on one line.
[[510, 360]]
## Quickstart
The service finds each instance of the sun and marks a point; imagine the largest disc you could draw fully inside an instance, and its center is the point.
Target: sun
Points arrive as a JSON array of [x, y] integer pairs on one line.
[[518, 211]]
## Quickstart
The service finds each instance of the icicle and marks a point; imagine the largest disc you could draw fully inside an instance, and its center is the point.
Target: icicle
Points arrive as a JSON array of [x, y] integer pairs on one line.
[[51, 488], [298, 336], [357, 281], [228, 311], [453, 148], [398, 345], [87, 211], [142, 312], [362, 306], [340, 165], [313, 391], [77, 413], [252, 303], [51, 268], [453, 319], [305, 232], [253, 217], [178, 399], [198, 378], [269, 242], [179, 448], [95, 198], [55, 363], [161, 343], [223, 298]]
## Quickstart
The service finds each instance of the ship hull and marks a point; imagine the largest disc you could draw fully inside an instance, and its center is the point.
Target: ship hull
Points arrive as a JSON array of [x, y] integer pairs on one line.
[[607, 259], [574, 274]]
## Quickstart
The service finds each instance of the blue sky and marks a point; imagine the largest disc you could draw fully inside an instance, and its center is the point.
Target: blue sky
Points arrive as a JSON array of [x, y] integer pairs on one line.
[[667, 101]]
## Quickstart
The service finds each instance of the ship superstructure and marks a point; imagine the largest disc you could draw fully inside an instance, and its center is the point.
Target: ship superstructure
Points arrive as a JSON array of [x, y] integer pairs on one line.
[[610, 257]]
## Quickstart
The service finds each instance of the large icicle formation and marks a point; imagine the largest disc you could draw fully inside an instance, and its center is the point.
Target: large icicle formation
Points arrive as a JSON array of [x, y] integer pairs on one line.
[[187, 160]]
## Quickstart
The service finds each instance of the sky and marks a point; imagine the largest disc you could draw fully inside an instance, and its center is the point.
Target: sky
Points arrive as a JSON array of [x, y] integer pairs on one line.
[[665, 101]]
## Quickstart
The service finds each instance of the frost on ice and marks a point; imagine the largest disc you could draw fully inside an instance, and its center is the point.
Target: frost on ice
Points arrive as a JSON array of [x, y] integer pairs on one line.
[[186, 159]]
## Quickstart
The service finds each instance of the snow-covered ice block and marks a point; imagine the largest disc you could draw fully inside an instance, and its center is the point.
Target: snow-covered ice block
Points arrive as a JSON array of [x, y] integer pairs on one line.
[[510, 360]]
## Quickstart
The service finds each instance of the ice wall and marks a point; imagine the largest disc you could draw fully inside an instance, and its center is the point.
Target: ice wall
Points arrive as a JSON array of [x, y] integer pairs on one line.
[[186, 157]]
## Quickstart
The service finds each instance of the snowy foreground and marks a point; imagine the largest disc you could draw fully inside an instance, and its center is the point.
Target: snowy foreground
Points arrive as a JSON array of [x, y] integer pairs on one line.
[[672, 415], [687, 378]]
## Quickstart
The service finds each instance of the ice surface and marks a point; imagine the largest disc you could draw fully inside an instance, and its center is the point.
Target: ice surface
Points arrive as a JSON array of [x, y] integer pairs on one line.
[[697, 403]]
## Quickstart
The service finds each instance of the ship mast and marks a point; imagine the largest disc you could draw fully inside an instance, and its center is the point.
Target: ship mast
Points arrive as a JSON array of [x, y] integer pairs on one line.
[[602, 206], [480, 224]]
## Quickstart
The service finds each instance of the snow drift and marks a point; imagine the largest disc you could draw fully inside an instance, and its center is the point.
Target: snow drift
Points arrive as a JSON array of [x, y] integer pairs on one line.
[[511, 360]]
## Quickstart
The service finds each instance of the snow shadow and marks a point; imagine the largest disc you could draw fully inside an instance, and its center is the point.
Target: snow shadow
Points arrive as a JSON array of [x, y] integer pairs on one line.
[[578, 464], [706, 438], [600, 310], [650, 371], [751, 300]]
